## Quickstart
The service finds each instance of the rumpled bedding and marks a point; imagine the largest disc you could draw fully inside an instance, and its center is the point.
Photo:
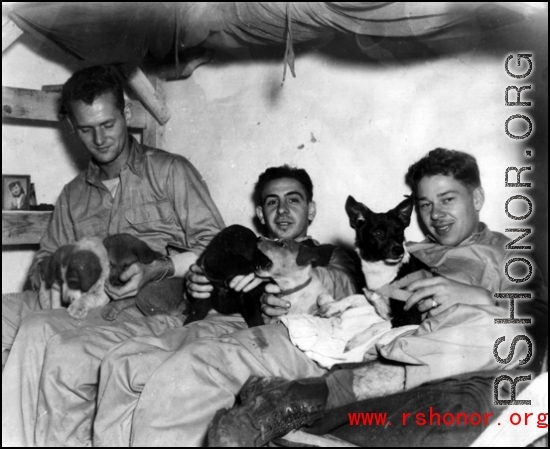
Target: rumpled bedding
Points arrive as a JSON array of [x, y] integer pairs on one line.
[[349, 337]]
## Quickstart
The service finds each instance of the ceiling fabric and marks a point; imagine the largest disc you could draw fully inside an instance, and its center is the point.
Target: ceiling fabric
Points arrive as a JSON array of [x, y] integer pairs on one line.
[[124, 33]]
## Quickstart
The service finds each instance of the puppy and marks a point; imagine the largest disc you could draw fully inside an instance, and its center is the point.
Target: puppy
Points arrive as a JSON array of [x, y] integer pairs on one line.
[[156, 297], [291, 269], [380, 243], [234, 251], [75, 276]]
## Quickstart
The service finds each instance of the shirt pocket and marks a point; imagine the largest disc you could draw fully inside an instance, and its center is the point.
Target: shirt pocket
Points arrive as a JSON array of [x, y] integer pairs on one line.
[[90, 227], [150, 217], [464, 269]]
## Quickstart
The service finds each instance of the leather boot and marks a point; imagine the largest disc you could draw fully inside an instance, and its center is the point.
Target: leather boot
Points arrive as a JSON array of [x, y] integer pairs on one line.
[[268, 408]]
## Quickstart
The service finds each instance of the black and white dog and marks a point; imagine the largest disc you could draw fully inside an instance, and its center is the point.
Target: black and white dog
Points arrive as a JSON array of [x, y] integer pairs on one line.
[[380, 243]]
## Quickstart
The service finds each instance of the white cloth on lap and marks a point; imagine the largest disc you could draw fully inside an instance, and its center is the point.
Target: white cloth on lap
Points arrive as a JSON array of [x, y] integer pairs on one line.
[[324, 340]]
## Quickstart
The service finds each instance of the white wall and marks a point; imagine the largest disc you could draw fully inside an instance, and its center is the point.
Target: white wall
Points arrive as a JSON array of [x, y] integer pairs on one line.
[[41, 150], [355, 127]]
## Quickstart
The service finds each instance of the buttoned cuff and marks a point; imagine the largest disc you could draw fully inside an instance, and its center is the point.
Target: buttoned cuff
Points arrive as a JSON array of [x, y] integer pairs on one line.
[[182, 262]]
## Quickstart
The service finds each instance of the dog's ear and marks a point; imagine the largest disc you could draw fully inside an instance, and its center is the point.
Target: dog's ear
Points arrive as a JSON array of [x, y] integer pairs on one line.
[[60, 258], [306, 256], [144, 253], [357, 212], [45, 266], [83, 270], [47, 270], [404, 210]]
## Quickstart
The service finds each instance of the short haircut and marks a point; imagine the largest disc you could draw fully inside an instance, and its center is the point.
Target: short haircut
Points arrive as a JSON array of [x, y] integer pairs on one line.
[[12, 184], [462, 166], [284, 171], [88, 84]]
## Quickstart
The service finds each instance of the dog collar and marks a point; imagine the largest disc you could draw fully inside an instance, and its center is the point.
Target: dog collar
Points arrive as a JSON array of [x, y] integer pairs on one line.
[[296, 289]]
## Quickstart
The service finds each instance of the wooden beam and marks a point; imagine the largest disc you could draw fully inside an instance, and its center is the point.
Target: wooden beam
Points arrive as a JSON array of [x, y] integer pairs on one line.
[[52, 87], [24, 227], [153, 134], [147, 94], [29, 104], [10, 33]]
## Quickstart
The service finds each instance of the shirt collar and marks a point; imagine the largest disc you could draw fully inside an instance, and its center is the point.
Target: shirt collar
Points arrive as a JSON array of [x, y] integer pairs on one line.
[[134, 163], [308, 237], [481, 236]]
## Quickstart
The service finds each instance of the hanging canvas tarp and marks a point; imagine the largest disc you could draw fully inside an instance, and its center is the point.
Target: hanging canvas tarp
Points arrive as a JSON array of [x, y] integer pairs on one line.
[[117, 32]]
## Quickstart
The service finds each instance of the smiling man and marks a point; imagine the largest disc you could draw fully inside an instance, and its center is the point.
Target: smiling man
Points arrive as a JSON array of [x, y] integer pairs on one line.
[[426, 367], [286, 208], [127, 187], [449, 207], [283, 197]]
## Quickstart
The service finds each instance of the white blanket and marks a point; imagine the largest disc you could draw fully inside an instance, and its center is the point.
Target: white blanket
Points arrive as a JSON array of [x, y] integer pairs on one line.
[[349, 337]]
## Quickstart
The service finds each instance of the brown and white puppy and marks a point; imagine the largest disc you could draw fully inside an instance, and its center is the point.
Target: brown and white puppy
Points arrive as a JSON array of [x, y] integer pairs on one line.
[[291, 269], [156, 297], [74, 276]]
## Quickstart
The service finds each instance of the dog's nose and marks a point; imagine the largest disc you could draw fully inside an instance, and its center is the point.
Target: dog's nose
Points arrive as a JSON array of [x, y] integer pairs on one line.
[[397, 251], [115, 281]]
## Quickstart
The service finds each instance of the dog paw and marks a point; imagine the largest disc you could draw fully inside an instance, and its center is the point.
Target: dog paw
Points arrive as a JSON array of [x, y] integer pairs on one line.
[[109, 312], [380, 303], [71, 296], [78, 310], [331, 309]]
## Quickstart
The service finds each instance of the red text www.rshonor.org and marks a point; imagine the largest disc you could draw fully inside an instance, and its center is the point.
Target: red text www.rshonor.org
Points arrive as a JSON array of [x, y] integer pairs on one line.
[[433, 418], [420, 419]]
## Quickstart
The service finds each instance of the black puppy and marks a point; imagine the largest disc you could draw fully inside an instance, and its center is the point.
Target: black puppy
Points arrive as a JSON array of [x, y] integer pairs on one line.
[[234, 251], [380, 243], [156, 297]]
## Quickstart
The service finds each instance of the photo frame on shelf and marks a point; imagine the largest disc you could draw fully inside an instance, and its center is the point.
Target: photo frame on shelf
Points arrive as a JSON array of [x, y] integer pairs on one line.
[[16, 191]]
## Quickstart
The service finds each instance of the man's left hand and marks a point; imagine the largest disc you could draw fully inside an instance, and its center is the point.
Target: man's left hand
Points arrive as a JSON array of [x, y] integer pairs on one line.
[[435, 295], [245, 283], [134, 277]]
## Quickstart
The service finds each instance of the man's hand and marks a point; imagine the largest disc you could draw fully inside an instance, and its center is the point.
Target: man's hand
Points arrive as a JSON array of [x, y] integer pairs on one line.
[[198, 285], [435, 295], [245, 283], [273, 307], [134, 277]]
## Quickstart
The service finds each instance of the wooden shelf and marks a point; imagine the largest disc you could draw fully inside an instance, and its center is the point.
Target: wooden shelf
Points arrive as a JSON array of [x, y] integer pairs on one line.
[[24, 227]]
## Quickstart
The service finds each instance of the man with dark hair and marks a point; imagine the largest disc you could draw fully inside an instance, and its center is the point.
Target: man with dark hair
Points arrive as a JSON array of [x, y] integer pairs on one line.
[[285, 207], [127, 188], [88, 84], [461, 166], [284, 171], [425, 370]]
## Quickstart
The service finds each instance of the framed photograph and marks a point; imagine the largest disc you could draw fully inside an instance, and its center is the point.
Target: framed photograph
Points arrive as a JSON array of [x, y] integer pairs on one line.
[[15, 192]]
